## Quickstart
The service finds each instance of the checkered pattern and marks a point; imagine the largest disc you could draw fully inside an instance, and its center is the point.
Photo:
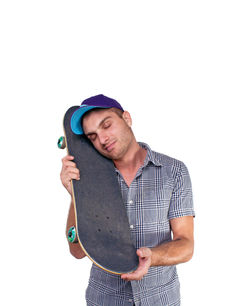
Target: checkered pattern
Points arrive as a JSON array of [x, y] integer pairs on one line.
[[160, 191]]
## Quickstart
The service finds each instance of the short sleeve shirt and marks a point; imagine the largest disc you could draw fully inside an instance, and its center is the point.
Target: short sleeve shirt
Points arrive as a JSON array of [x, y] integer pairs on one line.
[[160, 191]]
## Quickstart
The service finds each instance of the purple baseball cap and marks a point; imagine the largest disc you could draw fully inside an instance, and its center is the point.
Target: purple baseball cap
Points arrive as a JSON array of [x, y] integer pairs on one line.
[[99, 101]]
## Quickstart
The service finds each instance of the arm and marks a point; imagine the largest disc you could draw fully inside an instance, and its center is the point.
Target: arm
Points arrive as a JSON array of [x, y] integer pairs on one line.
[[69, 172], [169, 253], [180, 249]]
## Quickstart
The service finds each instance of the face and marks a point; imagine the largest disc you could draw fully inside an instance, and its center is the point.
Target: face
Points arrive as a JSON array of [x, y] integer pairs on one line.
[[111, 135]]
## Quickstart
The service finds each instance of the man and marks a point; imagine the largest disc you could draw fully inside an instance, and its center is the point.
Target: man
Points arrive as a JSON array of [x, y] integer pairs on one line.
[[157, 194]]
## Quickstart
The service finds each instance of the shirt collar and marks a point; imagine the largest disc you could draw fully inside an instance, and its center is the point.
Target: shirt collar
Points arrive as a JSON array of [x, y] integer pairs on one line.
[[150, 157]]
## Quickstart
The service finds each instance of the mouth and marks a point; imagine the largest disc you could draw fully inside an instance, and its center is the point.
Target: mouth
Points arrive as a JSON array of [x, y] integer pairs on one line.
[[110, 146]]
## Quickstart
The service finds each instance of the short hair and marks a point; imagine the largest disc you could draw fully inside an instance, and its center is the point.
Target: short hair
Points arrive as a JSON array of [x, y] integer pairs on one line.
[[118, 111]]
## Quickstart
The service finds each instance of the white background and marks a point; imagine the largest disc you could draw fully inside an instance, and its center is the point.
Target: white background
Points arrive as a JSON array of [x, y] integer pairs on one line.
[[182, 69]]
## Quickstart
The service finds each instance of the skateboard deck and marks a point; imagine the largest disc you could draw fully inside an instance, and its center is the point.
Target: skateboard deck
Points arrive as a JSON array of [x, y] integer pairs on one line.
[[101, 219]]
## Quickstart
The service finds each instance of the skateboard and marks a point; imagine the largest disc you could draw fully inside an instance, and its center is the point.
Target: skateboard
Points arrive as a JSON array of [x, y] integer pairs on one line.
[[102, 227]]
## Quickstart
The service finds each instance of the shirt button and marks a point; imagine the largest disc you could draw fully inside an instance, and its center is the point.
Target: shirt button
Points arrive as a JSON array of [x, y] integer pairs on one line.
[[131, 202], [132, 226]]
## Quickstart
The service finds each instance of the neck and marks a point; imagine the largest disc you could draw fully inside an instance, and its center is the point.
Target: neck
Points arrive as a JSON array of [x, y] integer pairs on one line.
[[133, 158]]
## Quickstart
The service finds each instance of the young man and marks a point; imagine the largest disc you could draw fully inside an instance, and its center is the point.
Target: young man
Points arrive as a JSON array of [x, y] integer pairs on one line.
[[157, 194]]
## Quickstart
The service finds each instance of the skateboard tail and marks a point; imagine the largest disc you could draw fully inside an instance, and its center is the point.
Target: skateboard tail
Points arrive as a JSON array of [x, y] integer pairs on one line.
[[104, 268]]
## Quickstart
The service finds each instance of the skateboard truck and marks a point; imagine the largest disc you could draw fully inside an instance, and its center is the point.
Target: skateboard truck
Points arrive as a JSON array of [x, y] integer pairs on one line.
[[61, 143]]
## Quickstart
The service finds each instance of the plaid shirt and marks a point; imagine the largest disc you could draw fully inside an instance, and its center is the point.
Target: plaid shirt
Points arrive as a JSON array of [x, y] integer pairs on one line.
[[160, 191]]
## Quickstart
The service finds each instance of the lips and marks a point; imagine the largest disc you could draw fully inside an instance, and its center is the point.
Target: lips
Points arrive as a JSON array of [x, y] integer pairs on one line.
[[110, 146]]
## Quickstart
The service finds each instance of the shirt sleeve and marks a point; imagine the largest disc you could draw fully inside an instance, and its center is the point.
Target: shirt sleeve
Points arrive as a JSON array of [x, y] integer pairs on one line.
[[181, 203]]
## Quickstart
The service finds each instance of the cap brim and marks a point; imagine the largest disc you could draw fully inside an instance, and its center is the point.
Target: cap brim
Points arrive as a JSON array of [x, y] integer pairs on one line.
[[76, 119]]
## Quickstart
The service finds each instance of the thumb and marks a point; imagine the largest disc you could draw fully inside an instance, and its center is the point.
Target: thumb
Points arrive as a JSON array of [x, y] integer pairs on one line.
[[144, 252]]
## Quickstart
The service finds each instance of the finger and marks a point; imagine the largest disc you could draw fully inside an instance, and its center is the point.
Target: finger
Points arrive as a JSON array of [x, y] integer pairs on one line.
[[137, 275], [70, 172], [73, 170], [67, 179], [67, 176], [74, 176], [69, 164], [139, 272], [144, 252], [67, 170], [67, 158]]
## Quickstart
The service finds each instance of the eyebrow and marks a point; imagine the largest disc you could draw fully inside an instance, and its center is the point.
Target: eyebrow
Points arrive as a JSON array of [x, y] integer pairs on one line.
[[89, 133]]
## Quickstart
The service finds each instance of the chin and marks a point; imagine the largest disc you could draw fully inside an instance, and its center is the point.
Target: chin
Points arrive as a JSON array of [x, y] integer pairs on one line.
[[111, 155], [107, 154]]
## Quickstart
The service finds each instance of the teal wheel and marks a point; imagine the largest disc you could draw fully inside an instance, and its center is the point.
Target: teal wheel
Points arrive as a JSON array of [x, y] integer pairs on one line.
[[61, 143], [72, 235]]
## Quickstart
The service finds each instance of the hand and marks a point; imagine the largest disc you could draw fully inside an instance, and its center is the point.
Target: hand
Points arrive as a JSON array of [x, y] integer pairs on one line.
[[145, 257], [69, 172]]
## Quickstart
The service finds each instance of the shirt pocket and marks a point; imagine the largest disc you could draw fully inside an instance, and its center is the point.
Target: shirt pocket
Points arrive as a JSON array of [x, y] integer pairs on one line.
[[155, 205]]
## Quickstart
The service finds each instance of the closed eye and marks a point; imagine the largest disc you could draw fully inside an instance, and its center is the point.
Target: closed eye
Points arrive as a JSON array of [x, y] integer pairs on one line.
[[91, 137], [106, 125]]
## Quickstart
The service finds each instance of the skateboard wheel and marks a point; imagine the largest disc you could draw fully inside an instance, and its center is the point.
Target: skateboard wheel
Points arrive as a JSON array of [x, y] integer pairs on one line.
[[72, 235], [61, 143]]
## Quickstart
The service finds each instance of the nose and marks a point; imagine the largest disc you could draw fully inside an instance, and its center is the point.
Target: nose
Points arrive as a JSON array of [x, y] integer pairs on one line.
[[103, 137]]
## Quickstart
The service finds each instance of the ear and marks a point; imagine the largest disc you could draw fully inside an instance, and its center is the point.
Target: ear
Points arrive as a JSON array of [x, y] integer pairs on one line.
[[127, 118]]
